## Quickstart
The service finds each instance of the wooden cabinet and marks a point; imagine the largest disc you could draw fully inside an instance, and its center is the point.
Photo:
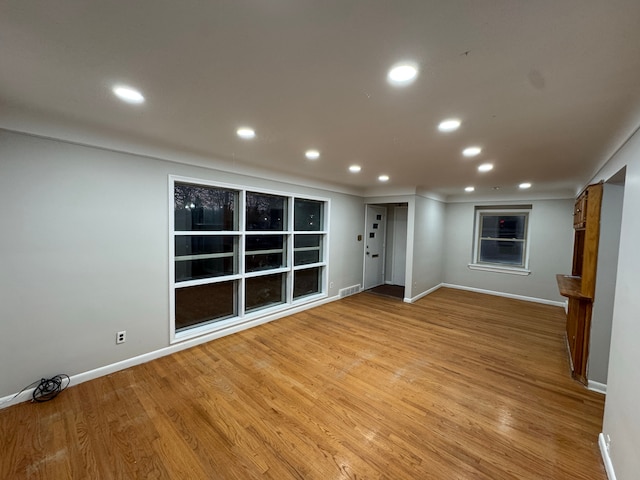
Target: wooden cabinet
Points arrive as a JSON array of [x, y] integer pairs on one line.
[[580, 286], [578, 324], [580, 211]]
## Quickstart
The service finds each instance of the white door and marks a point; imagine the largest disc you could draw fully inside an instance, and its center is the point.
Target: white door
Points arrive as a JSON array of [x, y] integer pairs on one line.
[[399, 254], [374, 246]]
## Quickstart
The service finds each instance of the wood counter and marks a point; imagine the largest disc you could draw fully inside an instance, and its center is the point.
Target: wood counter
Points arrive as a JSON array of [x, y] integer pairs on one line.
[[571, 286]]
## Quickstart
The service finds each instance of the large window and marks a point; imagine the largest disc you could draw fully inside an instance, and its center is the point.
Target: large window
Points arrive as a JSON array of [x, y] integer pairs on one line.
[[240, 253], [501, 240]]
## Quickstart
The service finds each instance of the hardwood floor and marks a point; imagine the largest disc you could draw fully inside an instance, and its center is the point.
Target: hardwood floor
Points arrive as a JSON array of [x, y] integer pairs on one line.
[[456, 386]]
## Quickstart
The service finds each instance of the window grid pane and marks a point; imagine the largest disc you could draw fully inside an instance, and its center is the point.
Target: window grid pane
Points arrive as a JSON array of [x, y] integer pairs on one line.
[[504, 226], [501, 238], [306, 282], [200, 207], [264, 291], [225, 241], [308, 215], [265, 212], [265, 252], [198, 256], [205, 303], [307, 249], [507, 252]]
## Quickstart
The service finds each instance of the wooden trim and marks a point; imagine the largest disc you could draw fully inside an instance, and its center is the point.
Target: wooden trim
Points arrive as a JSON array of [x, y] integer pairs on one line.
[[591, 241]]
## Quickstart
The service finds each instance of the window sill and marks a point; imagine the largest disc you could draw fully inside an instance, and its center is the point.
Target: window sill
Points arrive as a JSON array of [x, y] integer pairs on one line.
[[498, 269]]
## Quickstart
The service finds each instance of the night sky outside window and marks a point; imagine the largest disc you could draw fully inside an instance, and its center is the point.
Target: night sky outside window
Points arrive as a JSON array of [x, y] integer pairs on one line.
[[501, 238]]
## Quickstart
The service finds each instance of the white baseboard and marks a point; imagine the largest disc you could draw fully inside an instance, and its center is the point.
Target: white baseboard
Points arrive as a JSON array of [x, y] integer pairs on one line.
[[606, 459], [176, 347], [423, 294], [597, 387], [507, 295]]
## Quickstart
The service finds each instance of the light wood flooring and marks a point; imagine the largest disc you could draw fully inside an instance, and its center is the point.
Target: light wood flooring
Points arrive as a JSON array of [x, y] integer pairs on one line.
[[456, 386]]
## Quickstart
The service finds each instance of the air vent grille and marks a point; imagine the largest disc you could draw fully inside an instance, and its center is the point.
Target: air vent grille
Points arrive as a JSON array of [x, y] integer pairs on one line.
[[345, 292]]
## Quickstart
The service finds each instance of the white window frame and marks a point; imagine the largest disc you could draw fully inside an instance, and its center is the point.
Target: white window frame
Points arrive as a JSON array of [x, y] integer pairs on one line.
[[289, 268], [477, 230]]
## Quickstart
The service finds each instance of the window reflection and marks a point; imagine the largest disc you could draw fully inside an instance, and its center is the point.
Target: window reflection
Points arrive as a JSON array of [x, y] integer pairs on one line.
[[265, 212]]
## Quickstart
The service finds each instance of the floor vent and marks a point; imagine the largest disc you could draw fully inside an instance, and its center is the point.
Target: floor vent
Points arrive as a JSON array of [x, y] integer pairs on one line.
[[345, 292]]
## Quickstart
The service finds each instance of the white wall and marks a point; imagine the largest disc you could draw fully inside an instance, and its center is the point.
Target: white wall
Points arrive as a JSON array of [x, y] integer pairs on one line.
[[551, 244], [399, 252], [84, 253], [602, 316], [622, 406], [389, 244], [428, 234]]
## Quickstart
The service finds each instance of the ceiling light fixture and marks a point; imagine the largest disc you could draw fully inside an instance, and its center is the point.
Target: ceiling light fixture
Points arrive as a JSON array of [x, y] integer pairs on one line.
[[402, 74], [485, 167], [469, 189], [471, 151], [355, 168], [246, 133], [383, 178], [128, 94], [312, 154], [449, 125], [524, 185]]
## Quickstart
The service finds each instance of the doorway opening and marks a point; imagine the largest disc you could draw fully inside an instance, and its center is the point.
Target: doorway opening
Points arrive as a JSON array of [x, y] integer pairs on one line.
[[385, 249]]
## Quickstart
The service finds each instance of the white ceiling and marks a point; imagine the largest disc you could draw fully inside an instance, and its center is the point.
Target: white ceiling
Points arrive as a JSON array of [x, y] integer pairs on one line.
[[549, 89]]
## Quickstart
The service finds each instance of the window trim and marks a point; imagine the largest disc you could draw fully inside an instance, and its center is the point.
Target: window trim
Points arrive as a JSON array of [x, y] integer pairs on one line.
[[243, 317], [496, 267]]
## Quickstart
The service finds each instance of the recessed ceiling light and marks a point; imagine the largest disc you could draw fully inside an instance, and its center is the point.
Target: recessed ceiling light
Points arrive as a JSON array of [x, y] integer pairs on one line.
[[128, 94], [469, 189], [449, 125], [355, 168], [471, 151], [403, 73], [485, 167], [312, 154], [524, 185], [383, 178], [246, 133]]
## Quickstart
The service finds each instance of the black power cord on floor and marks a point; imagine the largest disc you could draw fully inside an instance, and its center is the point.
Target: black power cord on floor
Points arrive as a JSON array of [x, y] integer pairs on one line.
[[46, 389], [49, 389]]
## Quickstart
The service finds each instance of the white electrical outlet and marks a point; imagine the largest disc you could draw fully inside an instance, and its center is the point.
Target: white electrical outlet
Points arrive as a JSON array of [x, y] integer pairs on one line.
[[121, 337], [330, 284]]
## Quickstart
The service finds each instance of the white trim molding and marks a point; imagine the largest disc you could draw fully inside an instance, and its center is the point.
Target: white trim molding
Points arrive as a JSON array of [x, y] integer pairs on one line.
[[606, 459], [495, 269], [597, 387], [423, 294], [507, 295]]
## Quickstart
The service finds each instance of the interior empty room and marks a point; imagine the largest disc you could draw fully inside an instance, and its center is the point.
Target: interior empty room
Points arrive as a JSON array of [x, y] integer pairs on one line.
[[319, 240]]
